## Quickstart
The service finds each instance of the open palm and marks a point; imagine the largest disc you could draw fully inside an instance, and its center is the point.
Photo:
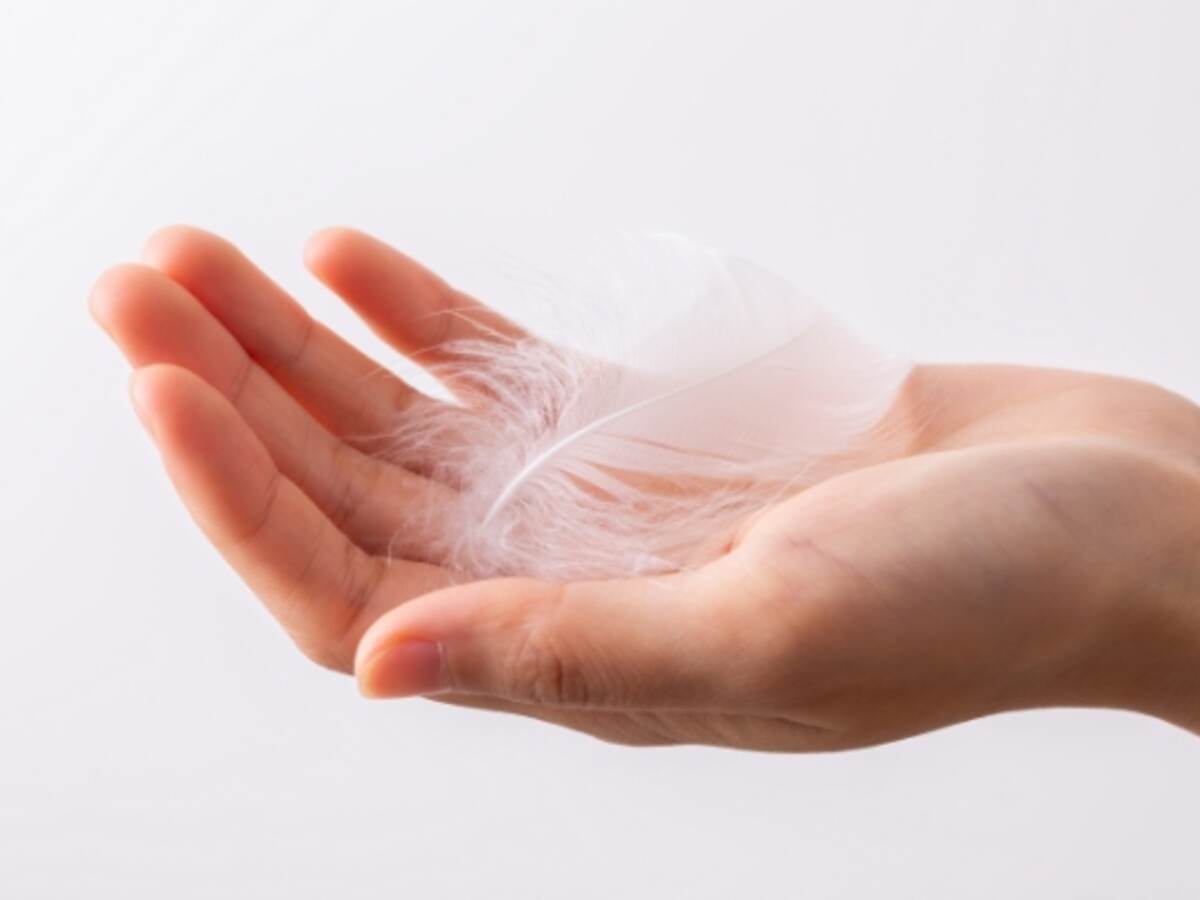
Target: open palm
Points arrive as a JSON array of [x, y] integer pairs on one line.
[[998, 557]]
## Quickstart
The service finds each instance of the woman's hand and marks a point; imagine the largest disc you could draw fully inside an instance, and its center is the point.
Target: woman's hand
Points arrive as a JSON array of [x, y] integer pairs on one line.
[[1035, 542]]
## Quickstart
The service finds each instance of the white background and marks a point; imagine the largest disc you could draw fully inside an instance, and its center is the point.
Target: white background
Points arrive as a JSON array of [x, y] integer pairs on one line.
[[1001, 181]]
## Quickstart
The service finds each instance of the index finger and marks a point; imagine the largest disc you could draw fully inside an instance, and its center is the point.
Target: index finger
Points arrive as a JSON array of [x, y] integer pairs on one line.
[[321, 587], [403, 302]]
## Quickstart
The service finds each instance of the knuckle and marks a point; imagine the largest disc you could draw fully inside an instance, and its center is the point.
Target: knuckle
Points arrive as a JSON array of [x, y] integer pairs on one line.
[[271, 493], [759, 629], [236, 388], [295, 358], [541, 675], [351, 484], [361, 579], [544, 670]]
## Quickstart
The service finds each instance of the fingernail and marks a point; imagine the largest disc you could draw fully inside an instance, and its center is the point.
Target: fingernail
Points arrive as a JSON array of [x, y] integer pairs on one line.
[[140, 406], [406, 669]]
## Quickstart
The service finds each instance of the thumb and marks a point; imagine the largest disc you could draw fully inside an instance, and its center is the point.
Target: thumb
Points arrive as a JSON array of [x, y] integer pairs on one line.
[[675, 641]]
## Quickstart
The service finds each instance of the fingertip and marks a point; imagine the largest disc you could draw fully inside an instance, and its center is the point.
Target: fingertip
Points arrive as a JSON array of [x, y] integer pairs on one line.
[[464, 622], [388, 629], [183, 250], [100, 305], [372, 647], [117, 290], [402, 669], [164, 239], [329, 246]]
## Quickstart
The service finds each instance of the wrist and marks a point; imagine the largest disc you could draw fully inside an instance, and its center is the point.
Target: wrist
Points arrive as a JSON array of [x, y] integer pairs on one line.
[[1148, 654]]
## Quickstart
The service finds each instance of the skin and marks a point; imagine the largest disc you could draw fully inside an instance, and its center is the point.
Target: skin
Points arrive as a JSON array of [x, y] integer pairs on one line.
[[1018, 537]]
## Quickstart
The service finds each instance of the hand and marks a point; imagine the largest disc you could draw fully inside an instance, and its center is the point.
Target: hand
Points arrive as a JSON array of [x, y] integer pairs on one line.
[[1035, 541]]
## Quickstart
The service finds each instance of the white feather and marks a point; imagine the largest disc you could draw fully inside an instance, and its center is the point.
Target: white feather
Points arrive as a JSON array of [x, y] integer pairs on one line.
[[571, 465]]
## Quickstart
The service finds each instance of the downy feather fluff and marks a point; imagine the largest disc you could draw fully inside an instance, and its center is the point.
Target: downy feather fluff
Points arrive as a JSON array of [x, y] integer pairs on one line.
[[645, 457]]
